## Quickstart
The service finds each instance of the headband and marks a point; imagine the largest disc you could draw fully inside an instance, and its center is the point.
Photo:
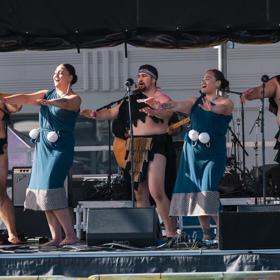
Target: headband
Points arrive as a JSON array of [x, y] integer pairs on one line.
[[146, 71]]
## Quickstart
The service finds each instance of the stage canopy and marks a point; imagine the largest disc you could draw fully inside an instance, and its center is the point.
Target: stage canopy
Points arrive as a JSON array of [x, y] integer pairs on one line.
[[64, 24]]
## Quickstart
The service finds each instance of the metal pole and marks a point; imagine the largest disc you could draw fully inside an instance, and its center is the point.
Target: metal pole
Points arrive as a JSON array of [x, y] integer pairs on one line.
[[263, 145], [222, 58], [128, 90], [222, 66]]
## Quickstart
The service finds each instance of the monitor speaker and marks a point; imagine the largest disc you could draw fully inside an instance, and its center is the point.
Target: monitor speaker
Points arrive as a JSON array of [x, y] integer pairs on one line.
[[129, 226], [253, 228], [20, 181]]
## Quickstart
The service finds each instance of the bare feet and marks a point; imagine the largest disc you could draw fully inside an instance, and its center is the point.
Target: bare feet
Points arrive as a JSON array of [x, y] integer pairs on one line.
[[207, 237], [51, 243], [69, 241], [14, 240]]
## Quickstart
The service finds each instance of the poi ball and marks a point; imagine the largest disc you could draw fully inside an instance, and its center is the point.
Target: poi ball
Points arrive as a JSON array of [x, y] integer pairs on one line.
[[52, 136], [204, 137], [34, 133], [193, 134]]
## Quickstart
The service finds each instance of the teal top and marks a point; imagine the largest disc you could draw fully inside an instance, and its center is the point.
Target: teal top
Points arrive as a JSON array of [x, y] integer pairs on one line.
[[52, 161], [202, 166]]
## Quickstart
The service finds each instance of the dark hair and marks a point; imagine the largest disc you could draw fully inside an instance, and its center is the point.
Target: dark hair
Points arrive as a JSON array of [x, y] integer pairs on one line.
[[219, 76], [150, 68], [70, 68]]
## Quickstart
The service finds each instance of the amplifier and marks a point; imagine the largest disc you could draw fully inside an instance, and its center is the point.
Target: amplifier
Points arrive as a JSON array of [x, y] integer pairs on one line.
[[20, 181]]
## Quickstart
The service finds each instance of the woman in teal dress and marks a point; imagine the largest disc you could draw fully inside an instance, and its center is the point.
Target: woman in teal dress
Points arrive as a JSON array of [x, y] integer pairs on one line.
[[203, 159], [54, 151]]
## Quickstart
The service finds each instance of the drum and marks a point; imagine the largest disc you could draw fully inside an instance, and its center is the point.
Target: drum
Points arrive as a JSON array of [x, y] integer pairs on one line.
[[231, 182], [272, 179], [97, 188]]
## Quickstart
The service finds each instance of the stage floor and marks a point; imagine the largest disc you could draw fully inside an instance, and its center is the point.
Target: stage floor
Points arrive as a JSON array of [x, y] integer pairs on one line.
[[83, 261]]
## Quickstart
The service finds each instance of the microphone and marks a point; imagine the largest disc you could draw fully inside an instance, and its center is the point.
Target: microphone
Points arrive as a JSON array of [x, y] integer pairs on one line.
[[129, 82], [265, 78], [226, 89]]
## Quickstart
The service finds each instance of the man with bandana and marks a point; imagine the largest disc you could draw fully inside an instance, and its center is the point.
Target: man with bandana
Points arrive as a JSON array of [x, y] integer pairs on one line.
[[151, 144]]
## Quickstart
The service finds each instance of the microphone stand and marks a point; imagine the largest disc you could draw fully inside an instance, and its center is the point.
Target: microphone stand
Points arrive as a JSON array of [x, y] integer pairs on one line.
[[109, 152], [256, 122], [263, 142], [108, 106], [128, 85], [256, 174], [237, 140], [243, 136], [128, 91]]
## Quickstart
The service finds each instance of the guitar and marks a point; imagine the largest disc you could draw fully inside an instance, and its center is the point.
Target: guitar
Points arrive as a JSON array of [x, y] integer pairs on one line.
[[119, 144], [178, 124]]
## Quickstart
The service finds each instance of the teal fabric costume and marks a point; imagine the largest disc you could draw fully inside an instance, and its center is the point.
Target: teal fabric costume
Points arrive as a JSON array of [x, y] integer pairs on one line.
[[201, 166], [52, 161]]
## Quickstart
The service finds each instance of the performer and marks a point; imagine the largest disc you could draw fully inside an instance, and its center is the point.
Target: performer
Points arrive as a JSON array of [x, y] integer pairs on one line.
[[271, 91], [7, 214], [120, 129], [151, 144], [54, 152], [203, 159]]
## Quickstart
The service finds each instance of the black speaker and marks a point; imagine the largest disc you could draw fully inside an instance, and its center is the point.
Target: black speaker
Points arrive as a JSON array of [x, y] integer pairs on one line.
[[20, 179], [130, 226], [30, 224], [249, 229], [258, 208]]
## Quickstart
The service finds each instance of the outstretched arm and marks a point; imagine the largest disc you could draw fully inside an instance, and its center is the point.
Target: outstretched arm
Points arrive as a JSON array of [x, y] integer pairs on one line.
[[256, 92], [71, 103], [183, 106], [23, 98], [223, 106], [106, 114]]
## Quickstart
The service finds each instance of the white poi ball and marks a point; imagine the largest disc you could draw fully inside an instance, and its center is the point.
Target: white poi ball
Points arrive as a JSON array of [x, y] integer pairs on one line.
[[204, 137], [52, 136], [34, 133], [193, 134]]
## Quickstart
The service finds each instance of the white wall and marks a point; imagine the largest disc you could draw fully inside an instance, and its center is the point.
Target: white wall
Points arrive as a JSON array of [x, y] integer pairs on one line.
[[102, 73]]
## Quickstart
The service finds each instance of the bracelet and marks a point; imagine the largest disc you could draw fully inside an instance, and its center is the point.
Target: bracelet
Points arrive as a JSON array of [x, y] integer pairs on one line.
[[93, 114]]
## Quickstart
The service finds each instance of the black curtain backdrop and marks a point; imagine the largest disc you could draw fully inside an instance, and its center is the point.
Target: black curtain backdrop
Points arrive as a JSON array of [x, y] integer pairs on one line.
[[67, 24]]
